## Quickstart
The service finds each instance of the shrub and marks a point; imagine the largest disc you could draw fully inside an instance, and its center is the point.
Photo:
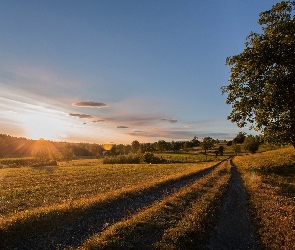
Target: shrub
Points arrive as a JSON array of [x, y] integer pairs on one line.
[[122, 159], [251, 144], [150, 158]]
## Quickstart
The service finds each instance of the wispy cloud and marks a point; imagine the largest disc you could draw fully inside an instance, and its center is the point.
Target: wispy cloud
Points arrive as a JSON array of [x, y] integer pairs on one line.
[[81, 115], [90, 104], [122, 127], [171, 120], [100, 121]]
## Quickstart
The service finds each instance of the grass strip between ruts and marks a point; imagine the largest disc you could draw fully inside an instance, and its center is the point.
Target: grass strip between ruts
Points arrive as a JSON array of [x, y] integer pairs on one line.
[[146, 229], [26, 224]]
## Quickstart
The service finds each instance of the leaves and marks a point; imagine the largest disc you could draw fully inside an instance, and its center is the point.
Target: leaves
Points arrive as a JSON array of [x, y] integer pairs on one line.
[[262, 86]]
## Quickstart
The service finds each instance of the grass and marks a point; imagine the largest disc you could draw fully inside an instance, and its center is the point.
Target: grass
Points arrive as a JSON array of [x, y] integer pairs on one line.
[[167, 224], [269, 178], [28, 188], [189, 157], [38, 199]]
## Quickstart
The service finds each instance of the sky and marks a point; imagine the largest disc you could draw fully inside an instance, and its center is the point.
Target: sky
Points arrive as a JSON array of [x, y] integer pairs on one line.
[[113, 71]]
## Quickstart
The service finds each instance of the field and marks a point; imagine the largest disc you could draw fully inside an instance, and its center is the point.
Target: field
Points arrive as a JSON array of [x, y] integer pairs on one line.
[[89, 205], [269, 178]]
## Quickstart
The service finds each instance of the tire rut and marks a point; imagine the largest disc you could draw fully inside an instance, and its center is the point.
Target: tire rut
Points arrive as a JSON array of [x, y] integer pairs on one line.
[[90, 223], [234, 228]]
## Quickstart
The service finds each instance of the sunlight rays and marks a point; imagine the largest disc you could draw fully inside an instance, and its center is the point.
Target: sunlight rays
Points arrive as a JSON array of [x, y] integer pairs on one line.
[[42, 126]]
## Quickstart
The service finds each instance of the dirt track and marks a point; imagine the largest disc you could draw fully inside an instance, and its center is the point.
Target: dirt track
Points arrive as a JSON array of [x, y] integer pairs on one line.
[[234, 229]]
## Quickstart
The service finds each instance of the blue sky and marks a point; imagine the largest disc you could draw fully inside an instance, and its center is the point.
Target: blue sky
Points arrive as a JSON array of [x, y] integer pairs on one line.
[[119, 71]]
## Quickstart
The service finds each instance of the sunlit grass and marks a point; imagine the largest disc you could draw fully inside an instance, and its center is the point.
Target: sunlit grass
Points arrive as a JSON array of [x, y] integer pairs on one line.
[[35, 200], [270, 178], [168, 222], [196, 157], [26, 188]]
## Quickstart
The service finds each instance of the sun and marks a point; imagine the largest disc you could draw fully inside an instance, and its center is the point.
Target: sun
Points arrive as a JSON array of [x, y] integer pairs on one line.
[[42, 126]]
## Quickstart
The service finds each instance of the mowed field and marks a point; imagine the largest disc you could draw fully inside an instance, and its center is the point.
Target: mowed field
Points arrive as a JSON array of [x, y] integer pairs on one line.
[[85, 204], [37, 199]]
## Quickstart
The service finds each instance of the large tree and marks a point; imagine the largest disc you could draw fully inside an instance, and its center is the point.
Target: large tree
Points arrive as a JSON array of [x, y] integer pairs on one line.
[[262, 77]]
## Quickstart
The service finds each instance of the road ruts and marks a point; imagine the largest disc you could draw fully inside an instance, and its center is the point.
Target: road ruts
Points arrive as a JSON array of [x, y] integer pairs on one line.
[[234, 229], [71, 235]]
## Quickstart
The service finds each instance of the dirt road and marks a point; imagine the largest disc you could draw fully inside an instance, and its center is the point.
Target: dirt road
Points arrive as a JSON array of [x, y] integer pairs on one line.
[[234, 229]]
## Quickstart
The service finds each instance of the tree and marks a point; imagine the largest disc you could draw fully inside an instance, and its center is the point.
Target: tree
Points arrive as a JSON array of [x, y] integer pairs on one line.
[[186, 145], [67, 152], [207, 143], [45, 151], [251, 144], [236, 148], [240, 137], [262, 85], [220, 150], [161, 145], [175, 146], [195, 142], [135, 145]]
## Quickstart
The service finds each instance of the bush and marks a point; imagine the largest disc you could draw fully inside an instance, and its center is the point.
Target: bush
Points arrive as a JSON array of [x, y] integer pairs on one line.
[[150, 158], [17, 162], [251, 144], [122, 159]]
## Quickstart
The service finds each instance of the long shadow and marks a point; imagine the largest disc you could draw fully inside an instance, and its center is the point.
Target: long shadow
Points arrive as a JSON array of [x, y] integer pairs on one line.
[[96, 219]]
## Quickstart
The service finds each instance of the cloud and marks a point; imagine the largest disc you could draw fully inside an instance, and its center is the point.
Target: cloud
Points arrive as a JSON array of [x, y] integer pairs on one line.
[[171, 120], [122, 127], [90, 104], [100, 121], [81, 115]]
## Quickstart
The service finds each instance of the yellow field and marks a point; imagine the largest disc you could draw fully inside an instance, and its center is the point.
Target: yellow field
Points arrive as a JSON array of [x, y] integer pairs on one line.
[[269, 178], [27, 188]]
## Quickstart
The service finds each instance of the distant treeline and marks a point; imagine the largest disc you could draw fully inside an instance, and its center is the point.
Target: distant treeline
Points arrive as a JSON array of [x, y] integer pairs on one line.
[[22, 147]]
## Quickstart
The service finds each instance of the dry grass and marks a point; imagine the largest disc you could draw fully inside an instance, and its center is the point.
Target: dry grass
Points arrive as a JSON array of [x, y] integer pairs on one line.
[[269, 178], [182, 214], [89, 187], [24, 189]]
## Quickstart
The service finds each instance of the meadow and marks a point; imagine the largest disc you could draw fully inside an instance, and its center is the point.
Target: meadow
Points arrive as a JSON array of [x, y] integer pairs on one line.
[[180, 221], [269, 178], [23, 189], [76, 196], [36, 199]]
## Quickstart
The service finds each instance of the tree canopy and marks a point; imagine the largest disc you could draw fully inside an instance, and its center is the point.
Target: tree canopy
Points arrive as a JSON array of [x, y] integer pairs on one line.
[[207, 143], [262, 77]]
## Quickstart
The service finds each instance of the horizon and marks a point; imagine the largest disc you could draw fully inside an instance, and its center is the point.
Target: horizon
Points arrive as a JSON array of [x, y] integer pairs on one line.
[[113, 71]]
